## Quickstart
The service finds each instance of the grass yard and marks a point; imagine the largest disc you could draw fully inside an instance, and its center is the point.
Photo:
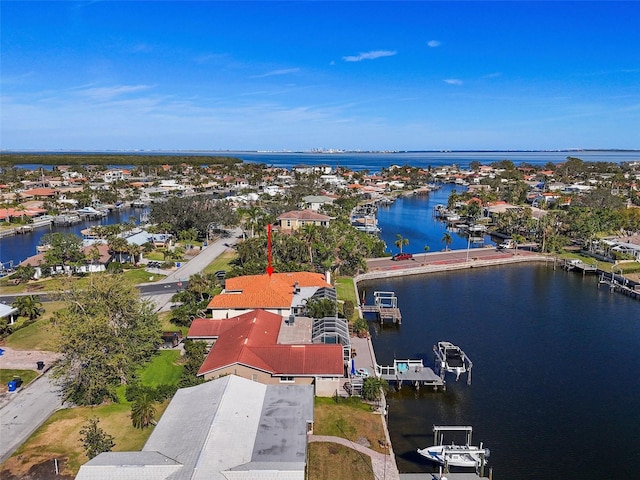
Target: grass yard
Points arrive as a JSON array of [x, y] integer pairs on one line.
[[59, 437], [330, 461], [8, 374], [163, 369], [60, 434], [345, 289], [41, 335], [223, 262], [349, 418]]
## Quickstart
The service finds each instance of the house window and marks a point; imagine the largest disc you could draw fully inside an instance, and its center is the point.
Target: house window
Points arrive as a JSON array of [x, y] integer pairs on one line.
[[287, 380], [254, 377], [288, 223]]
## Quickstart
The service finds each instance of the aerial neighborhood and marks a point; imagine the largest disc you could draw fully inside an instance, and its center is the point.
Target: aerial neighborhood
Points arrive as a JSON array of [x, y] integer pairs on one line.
[[241, 369]]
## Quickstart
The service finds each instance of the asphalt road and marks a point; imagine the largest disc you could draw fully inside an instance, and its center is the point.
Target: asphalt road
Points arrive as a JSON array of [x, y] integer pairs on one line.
[[25, 410]]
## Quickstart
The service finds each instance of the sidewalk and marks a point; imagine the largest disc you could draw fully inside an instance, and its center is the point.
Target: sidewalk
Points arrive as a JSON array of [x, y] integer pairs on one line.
[[384, 466]]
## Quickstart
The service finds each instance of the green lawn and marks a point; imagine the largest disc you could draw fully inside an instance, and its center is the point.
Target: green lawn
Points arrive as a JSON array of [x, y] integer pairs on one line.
[[345, 289], [223, 262], [162, 370], [40, 335], [9, 374]]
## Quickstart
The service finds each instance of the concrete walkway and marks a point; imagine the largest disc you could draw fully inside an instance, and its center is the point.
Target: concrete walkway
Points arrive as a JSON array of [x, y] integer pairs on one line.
[[384, 466]]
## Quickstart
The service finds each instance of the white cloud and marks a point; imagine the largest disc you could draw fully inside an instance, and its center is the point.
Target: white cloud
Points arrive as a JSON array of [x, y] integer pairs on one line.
[[284, 71], [107, 93], [433, 43], [453, 81], [369, 55], [492, 75]]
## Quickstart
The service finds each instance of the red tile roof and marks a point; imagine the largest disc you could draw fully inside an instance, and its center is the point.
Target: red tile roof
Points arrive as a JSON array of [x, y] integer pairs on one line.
[[39, 192], [264, 291], [250, 339]]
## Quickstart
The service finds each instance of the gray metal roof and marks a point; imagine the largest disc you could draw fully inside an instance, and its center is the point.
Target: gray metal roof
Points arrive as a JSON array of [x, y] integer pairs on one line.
[[226, 424], [129, 466]]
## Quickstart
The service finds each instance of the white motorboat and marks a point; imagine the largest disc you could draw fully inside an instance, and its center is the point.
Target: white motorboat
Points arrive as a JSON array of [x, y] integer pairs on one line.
[[457, 455], [452, 358]]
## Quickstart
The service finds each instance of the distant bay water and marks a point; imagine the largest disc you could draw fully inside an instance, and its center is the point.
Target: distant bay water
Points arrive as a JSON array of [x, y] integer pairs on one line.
[[375, 161]]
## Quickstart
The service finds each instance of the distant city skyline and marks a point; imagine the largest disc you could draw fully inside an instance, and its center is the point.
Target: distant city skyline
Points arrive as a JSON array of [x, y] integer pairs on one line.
[[299, 76]]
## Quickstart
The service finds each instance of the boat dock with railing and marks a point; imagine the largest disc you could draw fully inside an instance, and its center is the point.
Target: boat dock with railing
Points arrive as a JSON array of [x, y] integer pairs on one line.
[[410, 371], [575, 264], [385, 306]]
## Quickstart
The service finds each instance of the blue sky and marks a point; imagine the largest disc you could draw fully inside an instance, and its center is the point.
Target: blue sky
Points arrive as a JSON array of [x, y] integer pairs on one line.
[[302, 75]]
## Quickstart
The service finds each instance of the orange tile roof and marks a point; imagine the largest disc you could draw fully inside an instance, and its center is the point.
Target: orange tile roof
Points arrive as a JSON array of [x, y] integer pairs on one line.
[[264, 291], [39, 192], [251, 341]]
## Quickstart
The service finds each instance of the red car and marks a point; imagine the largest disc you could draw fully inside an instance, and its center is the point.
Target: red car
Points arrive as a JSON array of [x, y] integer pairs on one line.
[[402, 256]]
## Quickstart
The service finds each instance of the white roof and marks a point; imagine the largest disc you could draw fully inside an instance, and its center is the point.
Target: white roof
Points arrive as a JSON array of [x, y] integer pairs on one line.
[[7, 310], [227, 424]]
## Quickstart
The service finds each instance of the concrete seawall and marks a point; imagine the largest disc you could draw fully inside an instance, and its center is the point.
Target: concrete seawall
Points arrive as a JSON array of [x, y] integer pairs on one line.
[[461, 265]]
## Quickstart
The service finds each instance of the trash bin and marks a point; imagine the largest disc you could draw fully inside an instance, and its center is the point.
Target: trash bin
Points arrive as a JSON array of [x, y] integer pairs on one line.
[[40, 365], [11, 385], [178, 264]]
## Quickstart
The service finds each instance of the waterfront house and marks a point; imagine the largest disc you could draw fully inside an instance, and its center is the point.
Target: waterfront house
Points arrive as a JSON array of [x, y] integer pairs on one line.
[[281, 293], [229, 428], [296, 219], [264, 347], [98, 257]]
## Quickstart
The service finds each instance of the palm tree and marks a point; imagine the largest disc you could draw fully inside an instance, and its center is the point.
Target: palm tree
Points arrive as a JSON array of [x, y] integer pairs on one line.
[[142, 411], [199, 284], [28, 306], [446, 239], [400, 241], [310, 233], [119, 245], [517, 240]]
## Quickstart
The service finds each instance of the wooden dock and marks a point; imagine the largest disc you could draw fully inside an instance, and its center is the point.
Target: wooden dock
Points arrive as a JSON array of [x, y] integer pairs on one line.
[[619, 284], [575, 264], [410, 371], [385, 307]]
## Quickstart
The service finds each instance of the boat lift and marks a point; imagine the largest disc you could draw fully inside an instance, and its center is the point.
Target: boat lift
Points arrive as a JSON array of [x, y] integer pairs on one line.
[[438, 439], [444, 360]]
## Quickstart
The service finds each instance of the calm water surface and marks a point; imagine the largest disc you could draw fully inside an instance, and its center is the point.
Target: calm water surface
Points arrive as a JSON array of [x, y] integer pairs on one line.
[[555, 391]]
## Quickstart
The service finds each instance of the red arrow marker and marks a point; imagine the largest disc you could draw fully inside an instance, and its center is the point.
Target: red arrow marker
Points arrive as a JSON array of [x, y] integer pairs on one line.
[[269, 267]]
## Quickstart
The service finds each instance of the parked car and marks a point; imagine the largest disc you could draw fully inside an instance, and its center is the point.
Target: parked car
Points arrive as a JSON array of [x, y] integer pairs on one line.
[[402, 256]]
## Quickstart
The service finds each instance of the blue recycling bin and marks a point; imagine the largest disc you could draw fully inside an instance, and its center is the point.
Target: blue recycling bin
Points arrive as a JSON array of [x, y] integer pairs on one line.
[[178, 264], [12, 385]]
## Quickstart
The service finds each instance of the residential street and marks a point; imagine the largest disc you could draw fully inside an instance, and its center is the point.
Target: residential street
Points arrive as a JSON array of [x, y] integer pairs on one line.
[[26, 410]]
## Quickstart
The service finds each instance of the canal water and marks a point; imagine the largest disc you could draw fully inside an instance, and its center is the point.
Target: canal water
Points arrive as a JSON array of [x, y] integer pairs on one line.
[[17, 248], [555, 390]]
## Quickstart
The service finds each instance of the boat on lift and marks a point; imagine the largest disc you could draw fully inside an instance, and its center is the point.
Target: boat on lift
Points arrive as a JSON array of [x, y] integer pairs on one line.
[[457, 455], [452, 359]]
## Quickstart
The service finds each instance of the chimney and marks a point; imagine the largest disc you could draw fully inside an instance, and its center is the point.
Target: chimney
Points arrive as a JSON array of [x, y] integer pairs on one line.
[[327, 276]]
